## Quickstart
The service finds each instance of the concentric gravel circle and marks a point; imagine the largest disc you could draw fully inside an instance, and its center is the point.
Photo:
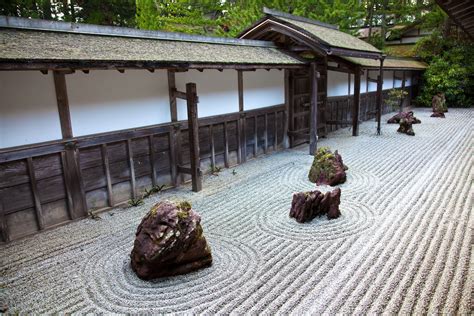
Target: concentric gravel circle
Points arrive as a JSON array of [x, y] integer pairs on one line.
[[113, 285], [356, 217]]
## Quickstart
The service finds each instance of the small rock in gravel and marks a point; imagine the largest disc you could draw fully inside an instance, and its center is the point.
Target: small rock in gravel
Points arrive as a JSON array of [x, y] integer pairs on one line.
[[307, 205], [169, 241], [327, 168], [438, 114], [403, 115]]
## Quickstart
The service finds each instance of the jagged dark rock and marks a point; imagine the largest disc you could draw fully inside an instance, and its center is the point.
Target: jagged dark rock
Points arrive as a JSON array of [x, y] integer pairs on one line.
[[327, 168], [438, 114], [169, 241], [403, 115], [308, 205]]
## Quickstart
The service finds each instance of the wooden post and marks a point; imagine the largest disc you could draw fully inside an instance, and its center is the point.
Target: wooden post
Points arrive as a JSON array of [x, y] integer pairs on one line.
[[193, 130], [241, 122], [63, 104], [36, 197], [105, 161], [313, 133], [286, 114], [175, 132], [71, 166], [213, 147], [366, 93], [403, 89], [379, 95], [3, 224], [356, 103], [226, 146], [131, 165]]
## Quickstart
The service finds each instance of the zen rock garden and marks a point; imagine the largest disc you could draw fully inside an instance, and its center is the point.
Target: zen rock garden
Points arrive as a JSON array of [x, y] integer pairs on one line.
[[170, 241]]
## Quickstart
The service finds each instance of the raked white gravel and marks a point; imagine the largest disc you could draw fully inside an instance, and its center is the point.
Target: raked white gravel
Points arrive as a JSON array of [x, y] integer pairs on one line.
[[402, 245]]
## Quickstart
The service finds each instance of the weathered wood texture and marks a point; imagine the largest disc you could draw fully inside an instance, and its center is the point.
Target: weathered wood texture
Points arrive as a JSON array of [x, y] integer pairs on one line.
[[37, 190]]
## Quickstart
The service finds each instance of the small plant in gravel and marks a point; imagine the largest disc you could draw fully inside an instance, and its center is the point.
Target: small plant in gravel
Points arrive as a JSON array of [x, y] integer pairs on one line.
[[93, 215], [154, 189], [214, 170], [135, 202], [234, 172]]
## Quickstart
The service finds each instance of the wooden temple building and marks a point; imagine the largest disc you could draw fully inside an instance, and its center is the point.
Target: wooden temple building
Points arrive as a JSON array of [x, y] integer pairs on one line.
[[91, 116]]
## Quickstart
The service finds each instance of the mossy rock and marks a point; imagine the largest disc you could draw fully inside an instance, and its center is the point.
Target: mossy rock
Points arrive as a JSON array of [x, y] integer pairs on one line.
[[327, 168], [170, 241]]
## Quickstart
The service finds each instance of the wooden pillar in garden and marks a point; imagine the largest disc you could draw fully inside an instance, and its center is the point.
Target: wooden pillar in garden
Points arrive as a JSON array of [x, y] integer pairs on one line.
[[70, 157], [313, 117], [356, 103], [193, 129], [379, 95]]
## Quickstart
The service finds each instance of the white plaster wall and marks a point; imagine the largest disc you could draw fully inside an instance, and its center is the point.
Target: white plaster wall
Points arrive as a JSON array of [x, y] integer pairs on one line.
[[217, 92], [338, 83], [387, 80], [28, 110], [107, 100], [263, 88]]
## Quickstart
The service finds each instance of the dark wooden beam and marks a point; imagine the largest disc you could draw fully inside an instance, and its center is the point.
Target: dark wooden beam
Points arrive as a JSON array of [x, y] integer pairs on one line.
[[356, 104], [121, 66], [4, 231], [106, 163], [213, 146], [241, 122], [36, 197], [313, 134], [403, 88], [226, 146], [240, 88], [179, 94], [63, 104], [379, 97], [175, 133], [151, 150], [193, 131], [286, 114], [131, 165]]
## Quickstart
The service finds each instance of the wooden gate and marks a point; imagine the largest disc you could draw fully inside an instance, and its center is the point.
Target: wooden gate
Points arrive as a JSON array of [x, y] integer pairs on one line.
[[300, 104]]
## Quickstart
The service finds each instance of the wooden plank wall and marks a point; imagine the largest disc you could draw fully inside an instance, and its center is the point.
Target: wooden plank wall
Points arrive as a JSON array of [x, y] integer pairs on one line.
[[115, 167]]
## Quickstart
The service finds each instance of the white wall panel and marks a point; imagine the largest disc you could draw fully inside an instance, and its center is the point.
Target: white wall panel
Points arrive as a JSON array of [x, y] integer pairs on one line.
[[263, 88], [106, 100], [217, 92], [28, 110], [338, 83]]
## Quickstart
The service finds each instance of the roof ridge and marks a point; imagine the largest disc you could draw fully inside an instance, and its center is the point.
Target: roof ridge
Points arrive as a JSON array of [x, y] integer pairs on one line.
[[299, 18], [92, 29]]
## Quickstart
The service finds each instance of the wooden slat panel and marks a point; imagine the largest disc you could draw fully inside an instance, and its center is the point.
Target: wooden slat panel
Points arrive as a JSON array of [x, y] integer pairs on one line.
[[67, 186], [152, 160], [4, 232], [131, 165], [36, 197], [106, 163], [226, 144]]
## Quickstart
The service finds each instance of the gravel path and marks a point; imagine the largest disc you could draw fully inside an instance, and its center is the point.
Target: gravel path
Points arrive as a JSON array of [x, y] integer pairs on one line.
[[403, 243]]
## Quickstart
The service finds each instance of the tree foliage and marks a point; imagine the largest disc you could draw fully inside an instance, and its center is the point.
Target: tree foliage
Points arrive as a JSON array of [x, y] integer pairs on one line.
[[106, 12]]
